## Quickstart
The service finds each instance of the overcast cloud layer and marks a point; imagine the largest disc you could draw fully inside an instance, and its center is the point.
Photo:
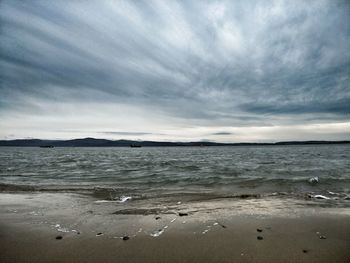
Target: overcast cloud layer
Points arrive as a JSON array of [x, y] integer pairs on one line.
[[164, 70]]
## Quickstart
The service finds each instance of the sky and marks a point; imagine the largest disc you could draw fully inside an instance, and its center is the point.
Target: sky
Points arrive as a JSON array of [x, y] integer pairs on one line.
[[225, 71]]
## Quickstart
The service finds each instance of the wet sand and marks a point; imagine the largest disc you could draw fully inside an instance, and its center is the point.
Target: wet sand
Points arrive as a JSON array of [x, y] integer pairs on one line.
[[213, 231]]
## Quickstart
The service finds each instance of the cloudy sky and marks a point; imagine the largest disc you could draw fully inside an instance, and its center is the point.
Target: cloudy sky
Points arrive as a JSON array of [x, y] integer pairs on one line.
[[225, 71]]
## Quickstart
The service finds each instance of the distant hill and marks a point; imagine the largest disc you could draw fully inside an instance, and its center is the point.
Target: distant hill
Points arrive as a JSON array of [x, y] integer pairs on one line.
[[92, 142]]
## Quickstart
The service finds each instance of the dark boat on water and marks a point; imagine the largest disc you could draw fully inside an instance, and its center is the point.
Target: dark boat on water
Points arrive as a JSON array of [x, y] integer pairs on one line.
[[135, 146], [46, 146]]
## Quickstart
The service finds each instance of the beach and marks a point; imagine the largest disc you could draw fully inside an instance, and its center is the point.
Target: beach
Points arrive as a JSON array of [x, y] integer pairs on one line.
[[66, 227]]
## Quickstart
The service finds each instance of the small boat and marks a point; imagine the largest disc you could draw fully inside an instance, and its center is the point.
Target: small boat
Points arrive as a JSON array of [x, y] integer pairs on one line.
[[135, 146], [46, 146]]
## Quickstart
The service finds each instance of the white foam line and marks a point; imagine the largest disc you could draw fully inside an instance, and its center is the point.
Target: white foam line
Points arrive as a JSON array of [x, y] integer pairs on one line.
[[157, 233], [123, 199], [321, 197], [106, 201]]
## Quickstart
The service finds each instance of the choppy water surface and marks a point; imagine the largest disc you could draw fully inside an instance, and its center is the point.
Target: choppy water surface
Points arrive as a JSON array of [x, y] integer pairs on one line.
[[176, 170]]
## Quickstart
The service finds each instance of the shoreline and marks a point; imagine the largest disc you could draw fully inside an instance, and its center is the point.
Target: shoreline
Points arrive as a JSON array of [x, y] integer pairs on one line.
[[208, 231]]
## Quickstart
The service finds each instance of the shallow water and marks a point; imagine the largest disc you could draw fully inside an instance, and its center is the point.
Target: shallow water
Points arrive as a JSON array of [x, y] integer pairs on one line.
[[144, 172]]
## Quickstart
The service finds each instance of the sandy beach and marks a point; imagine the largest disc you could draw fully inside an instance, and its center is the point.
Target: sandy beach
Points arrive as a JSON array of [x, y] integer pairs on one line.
[[63, 227]]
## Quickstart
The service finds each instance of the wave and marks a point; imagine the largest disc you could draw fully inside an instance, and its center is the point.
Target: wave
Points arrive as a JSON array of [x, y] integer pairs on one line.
[[121, 195]]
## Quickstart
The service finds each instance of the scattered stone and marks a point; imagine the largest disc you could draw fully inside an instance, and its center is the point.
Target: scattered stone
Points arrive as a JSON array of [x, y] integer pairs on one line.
[[305, 250], [183, 214], [59, 237], [323, 237], [99, 234], [260, 238], [158, 217], [126, 238], [259, 230]]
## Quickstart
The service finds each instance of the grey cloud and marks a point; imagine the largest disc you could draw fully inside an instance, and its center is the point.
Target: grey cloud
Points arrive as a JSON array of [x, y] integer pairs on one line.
[[222, 133], [126, 133], [340, 107], [227, 62]]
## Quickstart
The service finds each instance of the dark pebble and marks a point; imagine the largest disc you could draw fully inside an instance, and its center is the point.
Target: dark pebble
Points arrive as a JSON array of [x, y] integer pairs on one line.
[[305, 250], [125, 238], [98, 234], [259, 230], [223, 226], [158, 217], [59, 237], [260, 238], [183, 214]]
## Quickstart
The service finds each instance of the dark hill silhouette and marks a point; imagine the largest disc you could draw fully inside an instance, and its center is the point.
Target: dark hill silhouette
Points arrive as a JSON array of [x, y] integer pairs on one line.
[[92, 142]]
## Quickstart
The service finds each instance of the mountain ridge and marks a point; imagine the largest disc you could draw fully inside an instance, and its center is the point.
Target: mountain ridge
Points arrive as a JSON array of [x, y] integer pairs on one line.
[[93, 142]]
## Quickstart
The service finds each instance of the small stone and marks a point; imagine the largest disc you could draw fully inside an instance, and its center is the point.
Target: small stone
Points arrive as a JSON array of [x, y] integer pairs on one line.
[[158, 217], [305, 250], [126, 238], [183, 214], [99, 234], [323, 237], [59, 237], [259, 230], [260, 238]]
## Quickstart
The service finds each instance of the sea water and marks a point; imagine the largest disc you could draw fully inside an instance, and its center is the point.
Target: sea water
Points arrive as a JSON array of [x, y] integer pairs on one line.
[[149, 172]]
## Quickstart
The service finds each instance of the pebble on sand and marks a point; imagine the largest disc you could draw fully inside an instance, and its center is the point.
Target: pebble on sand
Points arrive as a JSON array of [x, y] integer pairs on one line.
[[305, 250], [99, 234], [158, 217], [259, 230], [260, 238], [183, 214], [126, 238], [59, 237]]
